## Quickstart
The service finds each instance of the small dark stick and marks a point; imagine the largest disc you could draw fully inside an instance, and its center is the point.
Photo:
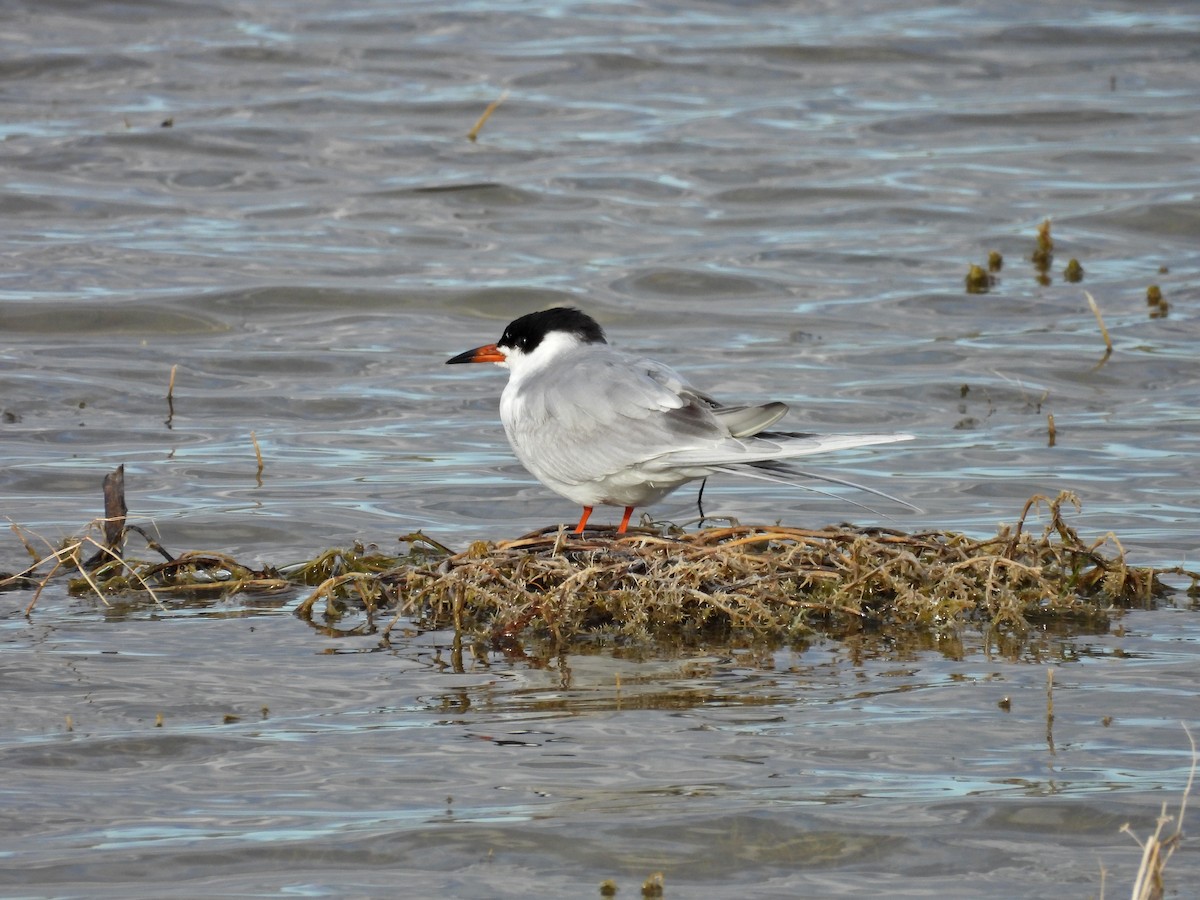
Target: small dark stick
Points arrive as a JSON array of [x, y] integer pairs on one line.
[[1050, 709], [700, 500], [171, 397], [258, 456], [152, 543]]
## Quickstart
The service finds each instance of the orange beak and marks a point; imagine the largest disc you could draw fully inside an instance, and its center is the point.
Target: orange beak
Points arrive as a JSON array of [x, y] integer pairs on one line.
[[486, 353]]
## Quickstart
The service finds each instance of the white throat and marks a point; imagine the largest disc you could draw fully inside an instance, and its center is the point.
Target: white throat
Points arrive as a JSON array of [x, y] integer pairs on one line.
[[553, 346]]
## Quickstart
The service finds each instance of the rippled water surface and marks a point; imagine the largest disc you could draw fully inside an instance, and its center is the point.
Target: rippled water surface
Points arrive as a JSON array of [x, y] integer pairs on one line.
[[278, 200]]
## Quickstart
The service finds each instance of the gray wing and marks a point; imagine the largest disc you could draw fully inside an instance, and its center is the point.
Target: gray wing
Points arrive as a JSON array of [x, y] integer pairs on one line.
[[607, 412]]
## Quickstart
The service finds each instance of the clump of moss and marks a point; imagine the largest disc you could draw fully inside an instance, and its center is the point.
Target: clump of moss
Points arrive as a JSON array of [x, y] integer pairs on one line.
[[1073, 272], [978, 281], [995, 261], [1157, 303], [1043, 253]]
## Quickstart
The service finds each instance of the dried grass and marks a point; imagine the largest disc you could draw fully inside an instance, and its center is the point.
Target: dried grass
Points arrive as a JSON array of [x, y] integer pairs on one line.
[[1158, 848], [768, 582], [752, 582]]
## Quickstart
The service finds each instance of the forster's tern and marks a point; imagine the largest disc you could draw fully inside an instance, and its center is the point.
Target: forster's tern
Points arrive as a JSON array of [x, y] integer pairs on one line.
[[599, 426]]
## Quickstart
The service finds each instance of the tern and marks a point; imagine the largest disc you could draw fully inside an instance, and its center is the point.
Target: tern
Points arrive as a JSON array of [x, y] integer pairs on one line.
[[603, 427]]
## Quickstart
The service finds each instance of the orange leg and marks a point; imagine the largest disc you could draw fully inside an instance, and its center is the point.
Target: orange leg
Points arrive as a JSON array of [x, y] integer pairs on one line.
[[625, 520], [587, 511]]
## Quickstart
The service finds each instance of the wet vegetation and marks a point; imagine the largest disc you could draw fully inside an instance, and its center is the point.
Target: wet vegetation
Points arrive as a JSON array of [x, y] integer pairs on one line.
[[978, 280], [664, 585], [1043, 254], [1157, 303], [983, 279]]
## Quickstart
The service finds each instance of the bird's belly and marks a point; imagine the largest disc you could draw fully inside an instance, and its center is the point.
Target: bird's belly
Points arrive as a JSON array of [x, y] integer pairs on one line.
[[615, 490], [631, 486]]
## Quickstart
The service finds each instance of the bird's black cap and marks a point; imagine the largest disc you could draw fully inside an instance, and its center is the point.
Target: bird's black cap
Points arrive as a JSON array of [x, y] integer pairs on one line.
[[526, 333]]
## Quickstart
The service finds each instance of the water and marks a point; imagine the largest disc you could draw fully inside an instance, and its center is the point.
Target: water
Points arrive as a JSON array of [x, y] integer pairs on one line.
[[781, 200]]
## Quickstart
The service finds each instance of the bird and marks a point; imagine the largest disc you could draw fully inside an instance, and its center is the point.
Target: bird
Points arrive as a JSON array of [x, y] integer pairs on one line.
[[599, 426]]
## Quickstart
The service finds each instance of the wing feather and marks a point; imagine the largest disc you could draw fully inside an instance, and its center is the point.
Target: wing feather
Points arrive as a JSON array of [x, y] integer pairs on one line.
[[573, 431], [767, 446]]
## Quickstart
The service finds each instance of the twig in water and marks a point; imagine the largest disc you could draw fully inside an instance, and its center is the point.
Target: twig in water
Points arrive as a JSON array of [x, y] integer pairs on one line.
[[171, 397], [151, 542], [1050, 709], [1108, 345], [258, 456], [487, 114]]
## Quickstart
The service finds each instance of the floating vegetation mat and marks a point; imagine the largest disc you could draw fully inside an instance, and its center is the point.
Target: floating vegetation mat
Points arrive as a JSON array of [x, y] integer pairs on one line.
[[768, 582]]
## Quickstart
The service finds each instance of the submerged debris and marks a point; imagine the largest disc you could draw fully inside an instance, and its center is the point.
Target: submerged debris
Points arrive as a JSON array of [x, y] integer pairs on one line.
[[1157, 303], [1043, 253], [1045, 244], [978, 281]]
